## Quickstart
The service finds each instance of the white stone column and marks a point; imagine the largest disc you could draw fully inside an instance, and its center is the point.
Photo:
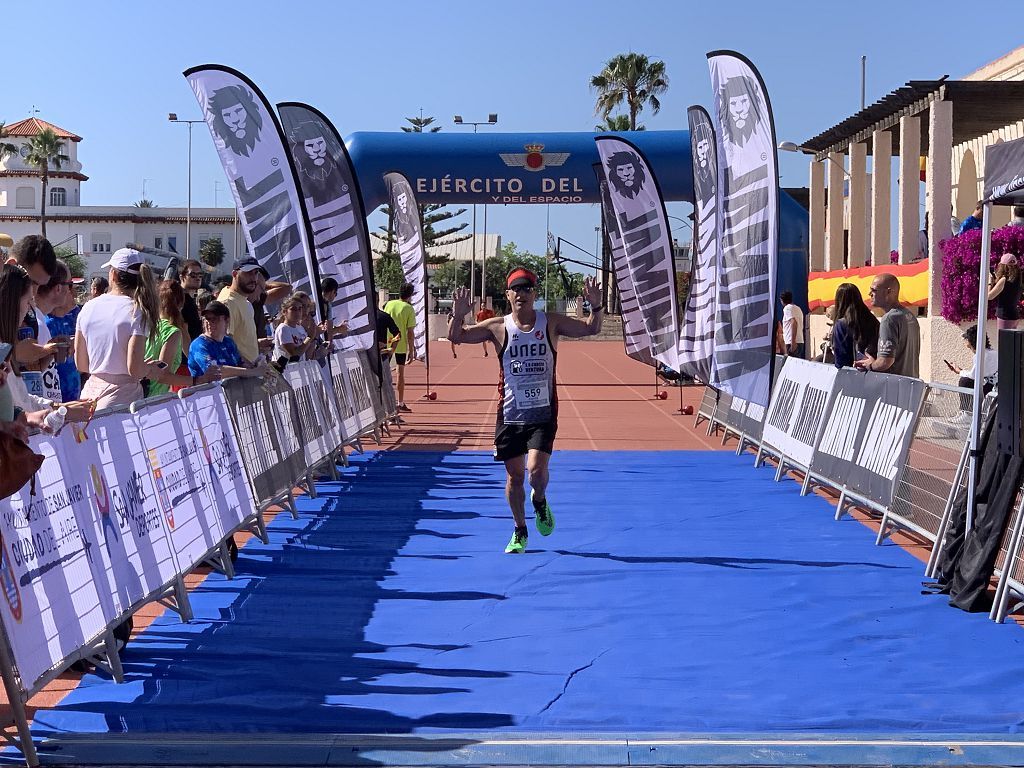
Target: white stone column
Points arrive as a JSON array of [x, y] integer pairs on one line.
[[858, 202], [816, 235], [939, 183], [834, 230], [881, 197], [910, 191]]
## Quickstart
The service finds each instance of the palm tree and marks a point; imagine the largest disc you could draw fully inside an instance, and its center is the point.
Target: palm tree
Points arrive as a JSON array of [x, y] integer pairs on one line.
[[6, 148], [144, 203], [616, 123], [633, 79], [45, 149]]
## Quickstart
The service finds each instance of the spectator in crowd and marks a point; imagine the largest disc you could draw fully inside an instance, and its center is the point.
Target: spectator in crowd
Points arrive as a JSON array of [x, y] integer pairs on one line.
[[974, 220], [268, 292], [35, 349], [388, 335], [855, 332], [899, 336], [172, 337], [191, 277], [1018, 216], [827, 354], [291, 341], [97, 287], [404, 315], [451, 316], [1005, 292], [485, 313], [242, 326], [792, 326], [44, 371], [922, 240], [328, 293], [220, 284], [36, 256], [954, 222], [216, 347], [16, 288], [203, 298], [112, 331], [11, 420], [57, 300], [959, 424]]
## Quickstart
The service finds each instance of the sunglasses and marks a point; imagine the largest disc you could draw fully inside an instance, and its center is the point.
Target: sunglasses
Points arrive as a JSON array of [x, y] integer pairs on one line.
[[193, 274], [522, 289]]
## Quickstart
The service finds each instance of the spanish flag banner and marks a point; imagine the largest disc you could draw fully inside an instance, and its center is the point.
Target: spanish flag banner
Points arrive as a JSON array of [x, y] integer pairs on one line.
[[821, 286]]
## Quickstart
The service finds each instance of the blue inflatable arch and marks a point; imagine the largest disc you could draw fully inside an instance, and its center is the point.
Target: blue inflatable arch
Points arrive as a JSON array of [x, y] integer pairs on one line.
[[541, 168]]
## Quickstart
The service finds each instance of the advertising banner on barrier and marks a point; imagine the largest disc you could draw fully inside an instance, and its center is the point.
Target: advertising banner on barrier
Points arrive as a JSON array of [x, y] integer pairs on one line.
[[408, 230], [343, 396], [867, 431], [634, 333], [133, 557], [172, 450], [227, 489], [51, 606], [743, 416], [797, 410], [251, 148], [274, 461], [331, 193], [697, 336], [748, 228], [362, 384], [319, 434]]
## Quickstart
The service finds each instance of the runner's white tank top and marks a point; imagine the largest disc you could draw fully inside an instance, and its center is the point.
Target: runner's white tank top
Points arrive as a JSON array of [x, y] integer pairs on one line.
[[528, 374]]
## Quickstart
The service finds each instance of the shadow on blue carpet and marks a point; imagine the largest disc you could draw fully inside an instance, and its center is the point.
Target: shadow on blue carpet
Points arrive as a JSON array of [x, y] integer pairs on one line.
[[680, 592]]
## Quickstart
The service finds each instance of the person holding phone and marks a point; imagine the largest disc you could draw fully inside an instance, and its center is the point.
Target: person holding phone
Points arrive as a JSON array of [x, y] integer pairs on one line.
[[958, 425], [25, 410], [113, 329]]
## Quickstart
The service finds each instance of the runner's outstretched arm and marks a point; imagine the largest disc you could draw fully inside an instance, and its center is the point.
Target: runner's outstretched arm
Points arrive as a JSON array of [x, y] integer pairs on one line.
[[573, 328], [474, 334]]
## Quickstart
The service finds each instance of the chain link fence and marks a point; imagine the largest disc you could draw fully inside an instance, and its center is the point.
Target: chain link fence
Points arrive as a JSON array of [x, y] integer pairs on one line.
[[935, 464]]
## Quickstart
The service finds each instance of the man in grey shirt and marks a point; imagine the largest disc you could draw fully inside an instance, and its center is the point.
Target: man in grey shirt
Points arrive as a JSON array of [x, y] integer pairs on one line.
[[899, 336]]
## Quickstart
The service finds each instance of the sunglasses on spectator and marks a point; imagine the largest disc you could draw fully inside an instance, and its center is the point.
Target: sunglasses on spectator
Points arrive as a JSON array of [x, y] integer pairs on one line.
[[193, 274]]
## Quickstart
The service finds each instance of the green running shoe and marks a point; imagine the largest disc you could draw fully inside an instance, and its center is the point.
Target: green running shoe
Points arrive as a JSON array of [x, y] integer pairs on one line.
[[517, 544], [545, 518]]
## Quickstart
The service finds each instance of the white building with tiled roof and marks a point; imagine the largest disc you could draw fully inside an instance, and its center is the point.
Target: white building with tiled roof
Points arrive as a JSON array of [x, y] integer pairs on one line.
[[96, 230]]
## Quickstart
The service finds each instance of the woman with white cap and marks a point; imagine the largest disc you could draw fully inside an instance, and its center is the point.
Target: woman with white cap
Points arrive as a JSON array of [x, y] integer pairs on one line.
[[113, 330]]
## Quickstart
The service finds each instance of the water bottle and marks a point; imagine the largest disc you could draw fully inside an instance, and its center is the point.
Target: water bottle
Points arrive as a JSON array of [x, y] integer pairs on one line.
[[55, 419]]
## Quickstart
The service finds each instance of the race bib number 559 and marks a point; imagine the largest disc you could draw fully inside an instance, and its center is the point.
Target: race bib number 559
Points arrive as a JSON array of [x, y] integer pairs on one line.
[[531, 395]]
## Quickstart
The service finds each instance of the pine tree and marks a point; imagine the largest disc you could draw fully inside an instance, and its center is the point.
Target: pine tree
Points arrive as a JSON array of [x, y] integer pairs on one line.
[[435, 232]]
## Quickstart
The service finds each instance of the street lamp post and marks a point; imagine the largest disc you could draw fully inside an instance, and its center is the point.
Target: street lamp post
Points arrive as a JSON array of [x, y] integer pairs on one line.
[[173, 117], [492, 119], [789, 146]]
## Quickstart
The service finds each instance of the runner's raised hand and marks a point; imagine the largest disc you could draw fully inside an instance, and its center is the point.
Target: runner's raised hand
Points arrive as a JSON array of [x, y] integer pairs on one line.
[[461, 303]]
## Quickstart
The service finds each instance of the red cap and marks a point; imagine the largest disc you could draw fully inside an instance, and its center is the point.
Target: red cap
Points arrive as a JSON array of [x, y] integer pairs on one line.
[[521, 276]]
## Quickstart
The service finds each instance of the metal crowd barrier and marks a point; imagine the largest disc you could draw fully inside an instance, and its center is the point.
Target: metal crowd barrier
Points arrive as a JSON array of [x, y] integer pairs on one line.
[[935, 469], [261, 408]]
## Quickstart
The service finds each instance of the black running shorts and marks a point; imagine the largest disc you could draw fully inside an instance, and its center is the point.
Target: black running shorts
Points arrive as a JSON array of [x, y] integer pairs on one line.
[[512, 440], [400, 358]]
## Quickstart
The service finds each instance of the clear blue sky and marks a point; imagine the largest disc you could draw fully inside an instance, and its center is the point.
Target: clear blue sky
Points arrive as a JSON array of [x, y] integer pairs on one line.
[[111, 72]]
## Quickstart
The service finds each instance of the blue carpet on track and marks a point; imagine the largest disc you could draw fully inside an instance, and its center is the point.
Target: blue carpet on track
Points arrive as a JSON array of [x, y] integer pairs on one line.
[[680, 591]]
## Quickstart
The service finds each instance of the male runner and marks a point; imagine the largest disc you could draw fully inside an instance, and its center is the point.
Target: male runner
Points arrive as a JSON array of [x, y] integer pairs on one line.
[[527, 343]]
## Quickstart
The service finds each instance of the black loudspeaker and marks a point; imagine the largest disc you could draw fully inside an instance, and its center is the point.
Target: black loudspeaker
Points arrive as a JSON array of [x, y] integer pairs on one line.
[[1010, 407]]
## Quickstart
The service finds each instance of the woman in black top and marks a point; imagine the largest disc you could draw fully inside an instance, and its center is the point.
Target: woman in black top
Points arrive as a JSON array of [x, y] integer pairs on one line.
[[1005, 291], [856, 329]]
